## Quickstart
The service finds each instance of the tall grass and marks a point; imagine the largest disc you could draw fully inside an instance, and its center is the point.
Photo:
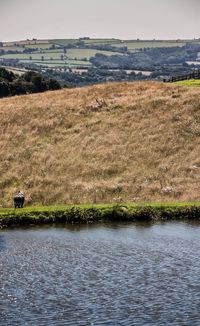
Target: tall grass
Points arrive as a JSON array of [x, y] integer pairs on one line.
[[106, 143]]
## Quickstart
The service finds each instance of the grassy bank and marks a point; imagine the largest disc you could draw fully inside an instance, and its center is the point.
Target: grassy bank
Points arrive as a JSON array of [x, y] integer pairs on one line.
[[85, 214]]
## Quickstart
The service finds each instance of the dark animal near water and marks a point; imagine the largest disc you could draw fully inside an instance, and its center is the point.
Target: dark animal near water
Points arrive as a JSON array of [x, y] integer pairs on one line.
[[19, 201]]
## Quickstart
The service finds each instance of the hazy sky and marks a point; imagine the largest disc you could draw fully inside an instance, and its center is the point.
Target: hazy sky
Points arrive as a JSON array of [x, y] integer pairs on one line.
[[124, 19]]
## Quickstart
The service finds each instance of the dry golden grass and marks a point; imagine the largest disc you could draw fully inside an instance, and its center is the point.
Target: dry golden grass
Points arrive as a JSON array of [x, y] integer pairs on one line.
[[115, 142]]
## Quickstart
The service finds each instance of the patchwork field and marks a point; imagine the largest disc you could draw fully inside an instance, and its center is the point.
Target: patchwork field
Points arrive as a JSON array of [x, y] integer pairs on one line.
[[40, 52], [55, 58]]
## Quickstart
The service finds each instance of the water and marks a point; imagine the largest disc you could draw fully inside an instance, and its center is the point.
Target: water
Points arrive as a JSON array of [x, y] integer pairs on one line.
[[136, 274]]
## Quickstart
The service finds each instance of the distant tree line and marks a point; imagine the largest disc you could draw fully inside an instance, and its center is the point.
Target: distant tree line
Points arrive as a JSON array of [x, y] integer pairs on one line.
[[30, 82], [147, 58], [93, 76]]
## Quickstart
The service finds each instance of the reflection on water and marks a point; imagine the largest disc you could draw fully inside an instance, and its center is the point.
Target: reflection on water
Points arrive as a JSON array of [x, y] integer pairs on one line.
[[127, 274]]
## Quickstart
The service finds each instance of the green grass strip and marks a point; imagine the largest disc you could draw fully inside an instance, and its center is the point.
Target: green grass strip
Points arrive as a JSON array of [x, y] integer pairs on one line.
[[191, 82], [87, 213]]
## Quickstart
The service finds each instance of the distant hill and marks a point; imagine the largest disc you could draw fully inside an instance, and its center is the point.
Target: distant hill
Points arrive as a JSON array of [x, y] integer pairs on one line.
[[120, 141], [84, 61]]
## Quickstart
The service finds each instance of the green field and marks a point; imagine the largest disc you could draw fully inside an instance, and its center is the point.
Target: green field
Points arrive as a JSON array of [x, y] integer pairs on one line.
[[42, 46], [58, 63], [57, 49], [99, 41], [12, 48], [87, 53], [134, 45], [95, 41], [63, 42], [34, 56], [191, 82]]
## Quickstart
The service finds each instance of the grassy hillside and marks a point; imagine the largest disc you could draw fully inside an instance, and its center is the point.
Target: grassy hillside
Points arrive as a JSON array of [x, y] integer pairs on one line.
[[105, 143]]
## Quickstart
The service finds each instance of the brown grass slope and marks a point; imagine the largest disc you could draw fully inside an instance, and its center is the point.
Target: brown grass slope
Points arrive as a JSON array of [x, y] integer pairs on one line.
[[119, 141]]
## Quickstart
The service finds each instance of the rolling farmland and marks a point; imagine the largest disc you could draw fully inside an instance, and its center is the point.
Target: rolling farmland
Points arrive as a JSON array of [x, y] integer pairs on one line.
[[55, 53]]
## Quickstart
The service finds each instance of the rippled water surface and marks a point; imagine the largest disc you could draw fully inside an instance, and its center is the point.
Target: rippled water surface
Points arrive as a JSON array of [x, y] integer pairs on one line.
[[101, 275]]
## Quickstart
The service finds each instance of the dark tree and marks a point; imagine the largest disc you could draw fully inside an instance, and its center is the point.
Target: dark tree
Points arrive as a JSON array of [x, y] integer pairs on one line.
[[7, 75], [4, 89], [39, 84], [30, 82], [53, 84]]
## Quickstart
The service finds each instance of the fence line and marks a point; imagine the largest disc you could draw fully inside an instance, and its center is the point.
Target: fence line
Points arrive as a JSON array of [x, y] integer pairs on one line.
[[192, 75]]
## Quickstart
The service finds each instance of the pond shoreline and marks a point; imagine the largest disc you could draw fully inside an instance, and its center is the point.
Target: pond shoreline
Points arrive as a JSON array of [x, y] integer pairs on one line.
[[90, 214]]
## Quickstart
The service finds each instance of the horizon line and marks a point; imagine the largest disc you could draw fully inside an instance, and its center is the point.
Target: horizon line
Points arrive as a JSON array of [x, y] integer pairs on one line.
[[103, 38]]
